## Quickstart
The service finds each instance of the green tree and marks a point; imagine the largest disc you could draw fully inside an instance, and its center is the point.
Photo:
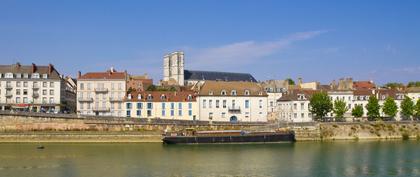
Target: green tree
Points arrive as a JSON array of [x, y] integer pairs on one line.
[[417, 109], [151, 88], [339, 109], [394, 85], [290, 81], [390, 108], [373, 108], [407, 108], [320, 105], [414, 84], [357, 111]]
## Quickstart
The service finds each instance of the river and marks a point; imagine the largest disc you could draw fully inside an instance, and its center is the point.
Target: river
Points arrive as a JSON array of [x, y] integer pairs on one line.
[[363, 158]]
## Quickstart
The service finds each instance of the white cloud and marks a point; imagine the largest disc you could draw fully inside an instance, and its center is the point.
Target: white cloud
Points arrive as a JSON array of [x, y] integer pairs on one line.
[[245, 52]]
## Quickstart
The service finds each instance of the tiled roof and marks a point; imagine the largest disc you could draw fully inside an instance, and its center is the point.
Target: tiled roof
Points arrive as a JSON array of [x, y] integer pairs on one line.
[[363, 85], [363, 92], [215, 88], [413, 90], [29, 69], [156, 96], [217, 76], [103, 75], [383, 93]]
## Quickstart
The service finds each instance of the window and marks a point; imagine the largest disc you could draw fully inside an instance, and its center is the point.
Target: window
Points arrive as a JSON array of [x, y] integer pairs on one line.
[[294, 106], [44, 76], [139, 96], [233, 92], [149, 97], [204, 103], [172, 105], [189, 112], [88, 86], [246, 104], [149, 113], [18, 75], [260, 103], [119, 86], [149, 105], [302, 115], [223, 115], [223, 92], [8, 75], [17, 91], [210, 92], [51, 100], [302, 106], [17, 99], [128, 105], [128, 113], [246, 92], [210, 104], [81, 106], [112, 86], [224, 104], [44, 100], [295, 115], [139, 106], [189, 105], [163, 105], [35, 84], [25, 91], [138, 113], [17, 83], [51, 92], [179, 105], [172, 112], [119, 105], [210, 115], [217, 103], [35, 75], [82, 86], [25, 84], [189, 98], [163, 113], [163, 97], [180, 112], [51, 84], [44, 84]]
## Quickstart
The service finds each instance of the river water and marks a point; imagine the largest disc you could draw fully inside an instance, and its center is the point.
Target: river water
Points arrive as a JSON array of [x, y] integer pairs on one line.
[[387, 158]]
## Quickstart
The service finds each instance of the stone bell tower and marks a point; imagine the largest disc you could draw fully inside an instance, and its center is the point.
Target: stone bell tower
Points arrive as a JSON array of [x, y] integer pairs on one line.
[[173, 68]]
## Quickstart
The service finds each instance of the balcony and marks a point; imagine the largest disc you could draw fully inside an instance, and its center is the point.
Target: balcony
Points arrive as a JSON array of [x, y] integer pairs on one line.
[[35, 95], [234, 109], [101, 90], [115, 99], [9, 94], [84, 99], [9, 87], [35, 87], [101, 109]]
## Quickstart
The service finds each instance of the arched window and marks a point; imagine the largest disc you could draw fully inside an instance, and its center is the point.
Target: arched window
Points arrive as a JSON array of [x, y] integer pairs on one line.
[[211, 92], [149, 97], [163, 97], [139, 96], [129, 96], [223, 92], [246, 92], [189, 98]]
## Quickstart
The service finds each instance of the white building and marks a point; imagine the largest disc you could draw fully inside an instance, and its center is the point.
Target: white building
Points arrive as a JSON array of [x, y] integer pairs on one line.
[[175, 105], [101, 93], [32, 87], [413, 93], [294, 106], [232, 101]]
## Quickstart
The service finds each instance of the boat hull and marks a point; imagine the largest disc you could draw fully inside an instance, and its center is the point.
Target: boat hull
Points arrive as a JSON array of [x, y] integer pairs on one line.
[[267, 138]]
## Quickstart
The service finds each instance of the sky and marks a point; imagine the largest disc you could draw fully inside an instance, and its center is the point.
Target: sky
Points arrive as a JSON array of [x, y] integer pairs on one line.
[[315, 40]]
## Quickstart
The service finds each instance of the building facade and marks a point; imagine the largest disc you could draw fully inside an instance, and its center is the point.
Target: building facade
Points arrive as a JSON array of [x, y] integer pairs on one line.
[[101, 93], [162, 105], [232, 101], [33, 88], [173, 68]]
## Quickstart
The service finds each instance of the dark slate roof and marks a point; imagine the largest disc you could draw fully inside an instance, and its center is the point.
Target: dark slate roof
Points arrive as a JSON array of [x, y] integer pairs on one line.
[[29, 69], [217, 76]]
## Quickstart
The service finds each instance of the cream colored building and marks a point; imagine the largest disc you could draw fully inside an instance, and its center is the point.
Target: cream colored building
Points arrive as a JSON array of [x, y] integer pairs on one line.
[[413, 93], [101, 93], [173, 105], [232, 101], [294, 106], [34, 88]]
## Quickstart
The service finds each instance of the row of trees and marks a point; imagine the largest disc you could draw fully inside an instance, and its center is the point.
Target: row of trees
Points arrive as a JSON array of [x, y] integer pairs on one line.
[[395, 85], [321, 105]]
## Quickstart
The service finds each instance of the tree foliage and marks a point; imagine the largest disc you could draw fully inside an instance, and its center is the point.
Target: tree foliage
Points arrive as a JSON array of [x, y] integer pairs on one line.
[[407, 107], [320, 105], [373, 108], [394, 85], [340, 108], [290, 81], [357, 111], [417, 109], [390, 108], [414, 84]]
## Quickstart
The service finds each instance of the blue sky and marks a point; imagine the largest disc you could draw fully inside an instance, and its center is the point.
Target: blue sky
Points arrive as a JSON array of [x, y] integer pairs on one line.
[[316, 40]]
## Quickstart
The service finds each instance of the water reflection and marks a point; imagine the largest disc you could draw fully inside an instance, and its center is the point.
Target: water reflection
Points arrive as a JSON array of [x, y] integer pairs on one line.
[[294, 160]]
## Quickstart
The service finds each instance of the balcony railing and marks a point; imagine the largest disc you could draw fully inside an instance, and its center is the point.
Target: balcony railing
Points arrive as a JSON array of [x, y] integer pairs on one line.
[[35, 87], [9, 94], [9, 87], [115, 99], [101, 109], [234, 109], [84, 99], [101, 89]]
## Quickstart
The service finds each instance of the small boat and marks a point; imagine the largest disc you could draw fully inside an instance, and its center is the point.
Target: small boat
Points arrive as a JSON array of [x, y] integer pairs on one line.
[[191, 136], [40, 147]]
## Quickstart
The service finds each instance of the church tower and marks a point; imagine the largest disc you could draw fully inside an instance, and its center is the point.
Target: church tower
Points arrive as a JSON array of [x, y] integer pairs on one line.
[[173, 68]]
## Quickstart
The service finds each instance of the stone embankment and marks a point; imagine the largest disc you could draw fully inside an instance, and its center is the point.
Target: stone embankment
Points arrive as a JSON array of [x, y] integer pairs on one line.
[[22, 127]]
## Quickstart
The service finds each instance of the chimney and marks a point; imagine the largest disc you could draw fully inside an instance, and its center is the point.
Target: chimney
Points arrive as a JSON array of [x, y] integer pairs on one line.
[[33, 67], [50, 68], [79, 74]]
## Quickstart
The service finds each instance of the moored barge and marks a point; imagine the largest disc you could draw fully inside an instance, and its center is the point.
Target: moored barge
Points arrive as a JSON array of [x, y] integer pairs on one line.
[[227, 136]]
